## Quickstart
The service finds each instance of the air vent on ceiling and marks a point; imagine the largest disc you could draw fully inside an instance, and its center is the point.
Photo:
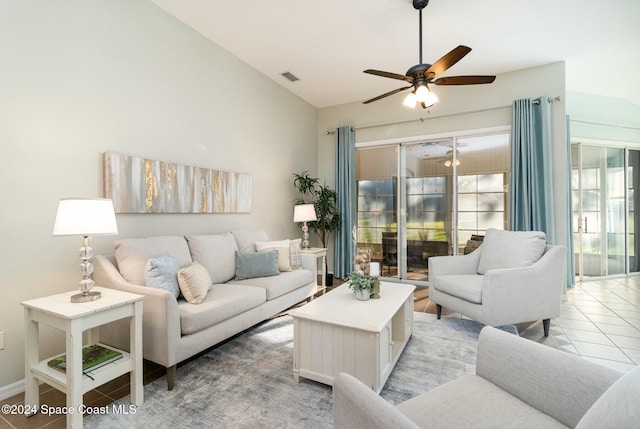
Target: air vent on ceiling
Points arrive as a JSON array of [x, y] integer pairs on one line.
[[290, 76]]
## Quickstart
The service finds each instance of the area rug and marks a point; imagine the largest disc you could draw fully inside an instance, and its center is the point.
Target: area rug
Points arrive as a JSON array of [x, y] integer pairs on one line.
[[248, 382]]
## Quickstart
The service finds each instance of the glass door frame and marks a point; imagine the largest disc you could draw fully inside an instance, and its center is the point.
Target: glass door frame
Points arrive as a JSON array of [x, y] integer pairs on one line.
[[580, 143], [401, 194]]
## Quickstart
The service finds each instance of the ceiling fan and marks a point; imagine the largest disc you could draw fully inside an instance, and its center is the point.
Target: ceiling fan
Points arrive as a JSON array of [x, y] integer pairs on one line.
[[421, 75]]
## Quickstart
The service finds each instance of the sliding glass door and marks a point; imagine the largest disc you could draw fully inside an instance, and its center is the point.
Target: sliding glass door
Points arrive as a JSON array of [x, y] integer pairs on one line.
[[604, 200], [430, 198]]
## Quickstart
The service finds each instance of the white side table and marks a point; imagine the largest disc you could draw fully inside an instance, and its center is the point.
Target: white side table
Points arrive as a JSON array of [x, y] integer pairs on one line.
[[320, 253], [59, 312]]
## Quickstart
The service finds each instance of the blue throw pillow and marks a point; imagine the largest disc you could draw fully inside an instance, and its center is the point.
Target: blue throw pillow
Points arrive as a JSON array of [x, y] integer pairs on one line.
[[162, 273], [250, 265]]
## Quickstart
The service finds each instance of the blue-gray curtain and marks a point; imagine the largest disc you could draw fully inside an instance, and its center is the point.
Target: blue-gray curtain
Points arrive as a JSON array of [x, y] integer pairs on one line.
[[571, 260], [343, 245], [531, 197]]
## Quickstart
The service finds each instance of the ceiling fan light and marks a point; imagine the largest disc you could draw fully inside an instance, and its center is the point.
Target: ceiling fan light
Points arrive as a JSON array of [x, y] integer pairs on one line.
[[410, 100], [447, 163], [422, 93], [431, 98]]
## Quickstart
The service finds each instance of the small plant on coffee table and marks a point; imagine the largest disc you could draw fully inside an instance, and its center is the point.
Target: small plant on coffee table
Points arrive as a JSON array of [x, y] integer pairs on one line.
[[358, 282]]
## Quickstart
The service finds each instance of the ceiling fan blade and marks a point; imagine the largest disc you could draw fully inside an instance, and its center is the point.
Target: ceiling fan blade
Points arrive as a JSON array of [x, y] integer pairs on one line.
[[447, 61], [386, 94], [464, 80], [390, 75]]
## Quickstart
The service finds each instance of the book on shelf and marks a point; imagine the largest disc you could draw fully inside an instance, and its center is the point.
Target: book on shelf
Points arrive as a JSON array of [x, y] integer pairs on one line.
[[93, 357]]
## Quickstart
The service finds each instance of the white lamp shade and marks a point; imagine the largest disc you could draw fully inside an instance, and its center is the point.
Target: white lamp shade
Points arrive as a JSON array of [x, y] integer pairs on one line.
[[304, 213], [410, 100], [85, 216]]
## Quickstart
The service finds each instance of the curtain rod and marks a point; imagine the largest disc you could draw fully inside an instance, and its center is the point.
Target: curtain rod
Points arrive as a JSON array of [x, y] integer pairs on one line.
[[468, 112]]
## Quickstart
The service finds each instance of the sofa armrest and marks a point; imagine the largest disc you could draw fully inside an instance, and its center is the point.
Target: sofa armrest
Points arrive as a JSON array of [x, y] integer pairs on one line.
[[554, 382], [356, 406], [160, 315], [514, 295], [459, 264]]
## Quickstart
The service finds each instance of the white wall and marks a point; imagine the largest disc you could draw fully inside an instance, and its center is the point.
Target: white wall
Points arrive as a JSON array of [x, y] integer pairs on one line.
[[603, 118], [492, 107], [78, 78]]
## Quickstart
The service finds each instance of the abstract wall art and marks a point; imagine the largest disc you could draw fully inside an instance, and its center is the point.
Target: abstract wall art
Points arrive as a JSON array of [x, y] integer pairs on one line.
[[139, 185]]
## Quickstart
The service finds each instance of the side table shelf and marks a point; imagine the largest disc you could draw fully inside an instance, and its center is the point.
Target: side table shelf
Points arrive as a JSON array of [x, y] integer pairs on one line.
[[95, 378], [57, 311]]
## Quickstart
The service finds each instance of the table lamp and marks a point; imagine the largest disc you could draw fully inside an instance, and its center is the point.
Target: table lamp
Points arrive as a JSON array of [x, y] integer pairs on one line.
[[85, 217], [304, 213]]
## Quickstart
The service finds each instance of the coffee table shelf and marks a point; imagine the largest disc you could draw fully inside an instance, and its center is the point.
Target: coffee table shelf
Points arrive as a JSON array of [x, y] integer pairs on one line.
[[337, 333]]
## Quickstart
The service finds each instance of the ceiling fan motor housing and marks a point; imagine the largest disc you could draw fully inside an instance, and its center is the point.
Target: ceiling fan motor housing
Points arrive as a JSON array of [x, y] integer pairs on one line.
[[417, 72], [420, 4]]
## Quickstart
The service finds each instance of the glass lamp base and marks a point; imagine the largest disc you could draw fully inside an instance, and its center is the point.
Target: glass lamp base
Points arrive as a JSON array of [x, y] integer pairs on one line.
[[86, 297]]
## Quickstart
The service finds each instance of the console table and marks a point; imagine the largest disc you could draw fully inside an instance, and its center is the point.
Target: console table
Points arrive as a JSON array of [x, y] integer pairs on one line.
[[337, 333], [59, 312]]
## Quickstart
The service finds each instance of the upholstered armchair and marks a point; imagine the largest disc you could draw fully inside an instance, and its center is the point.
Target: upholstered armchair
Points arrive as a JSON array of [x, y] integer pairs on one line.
[[513, 277]]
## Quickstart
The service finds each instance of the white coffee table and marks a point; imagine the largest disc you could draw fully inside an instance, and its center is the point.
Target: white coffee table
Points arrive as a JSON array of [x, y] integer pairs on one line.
[[337, 333]]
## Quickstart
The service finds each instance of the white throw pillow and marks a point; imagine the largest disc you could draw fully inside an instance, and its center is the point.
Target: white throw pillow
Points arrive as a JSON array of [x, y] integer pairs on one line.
[[282, 246], [510, 249], [194, 282]]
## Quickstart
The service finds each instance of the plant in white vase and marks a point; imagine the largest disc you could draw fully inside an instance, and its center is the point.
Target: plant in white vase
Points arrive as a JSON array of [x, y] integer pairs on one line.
[[360, 285]]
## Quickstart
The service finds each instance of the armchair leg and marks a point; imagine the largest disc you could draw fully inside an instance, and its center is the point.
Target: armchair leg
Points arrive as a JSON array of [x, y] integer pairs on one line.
[[438, 311], [171, 377], [545, 325]]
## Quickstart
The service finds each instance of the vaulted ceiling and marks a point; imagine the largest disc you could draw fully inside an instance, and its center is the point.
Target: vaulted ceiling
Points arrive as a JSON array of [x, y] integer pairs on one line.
[[328, 43]]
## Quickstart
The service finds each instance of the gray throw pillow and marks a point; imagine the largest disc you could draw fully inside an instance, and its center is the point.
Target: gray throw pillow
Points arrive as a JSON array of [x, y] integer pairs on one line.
[[250, 265], [162, 273]]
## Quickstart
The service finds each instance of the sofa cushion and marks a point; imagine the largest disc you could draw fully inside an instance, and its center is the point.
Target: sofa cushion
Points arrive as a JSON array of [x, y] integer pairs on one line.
[[223, 302], [280, 285], [472, 401], [216, 252], [132, 254], [282, 247], [162, 273], [618, 407], [510, 249], [246, 239], [256, 264], [463, 286], [194, 282]]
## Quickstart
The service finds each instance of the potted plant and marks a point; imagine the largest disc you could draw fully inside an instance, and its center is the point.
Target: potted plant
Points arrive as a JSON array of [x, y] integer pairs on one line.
[[324, 200], [360, 285]]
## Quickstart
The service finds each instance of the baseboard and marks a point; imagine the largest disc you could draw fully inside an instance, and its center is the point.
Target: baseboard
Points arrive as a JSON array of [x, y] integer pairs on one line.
[[11, 390]]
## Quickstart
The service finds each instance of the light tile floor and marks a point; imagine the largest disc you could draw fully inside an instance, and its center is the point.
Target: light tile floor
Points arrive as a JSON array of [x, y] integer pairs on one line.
[[601, 322]]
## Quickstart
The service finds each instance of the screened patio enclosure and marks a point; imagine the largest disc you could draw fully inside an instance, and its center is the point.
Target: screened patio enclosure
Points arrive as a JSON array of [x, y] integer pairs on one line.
[[422, 199]]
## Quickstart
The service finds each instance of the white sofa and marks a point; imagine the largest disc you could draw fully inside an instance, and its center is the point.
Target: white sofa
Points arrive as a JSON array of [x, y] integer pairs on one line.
[[175, 330], [518, 384]]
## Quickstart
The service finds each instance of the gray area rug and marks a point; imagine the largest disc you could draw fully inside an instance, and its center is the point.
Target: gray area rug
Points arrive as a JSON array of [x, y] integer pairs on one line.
[[248, 382]]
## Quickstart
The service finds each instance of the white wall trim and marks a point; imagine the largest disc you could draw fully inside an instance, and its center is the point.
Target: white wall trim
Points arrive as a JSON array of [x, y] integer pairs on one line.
[[11, 390]]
